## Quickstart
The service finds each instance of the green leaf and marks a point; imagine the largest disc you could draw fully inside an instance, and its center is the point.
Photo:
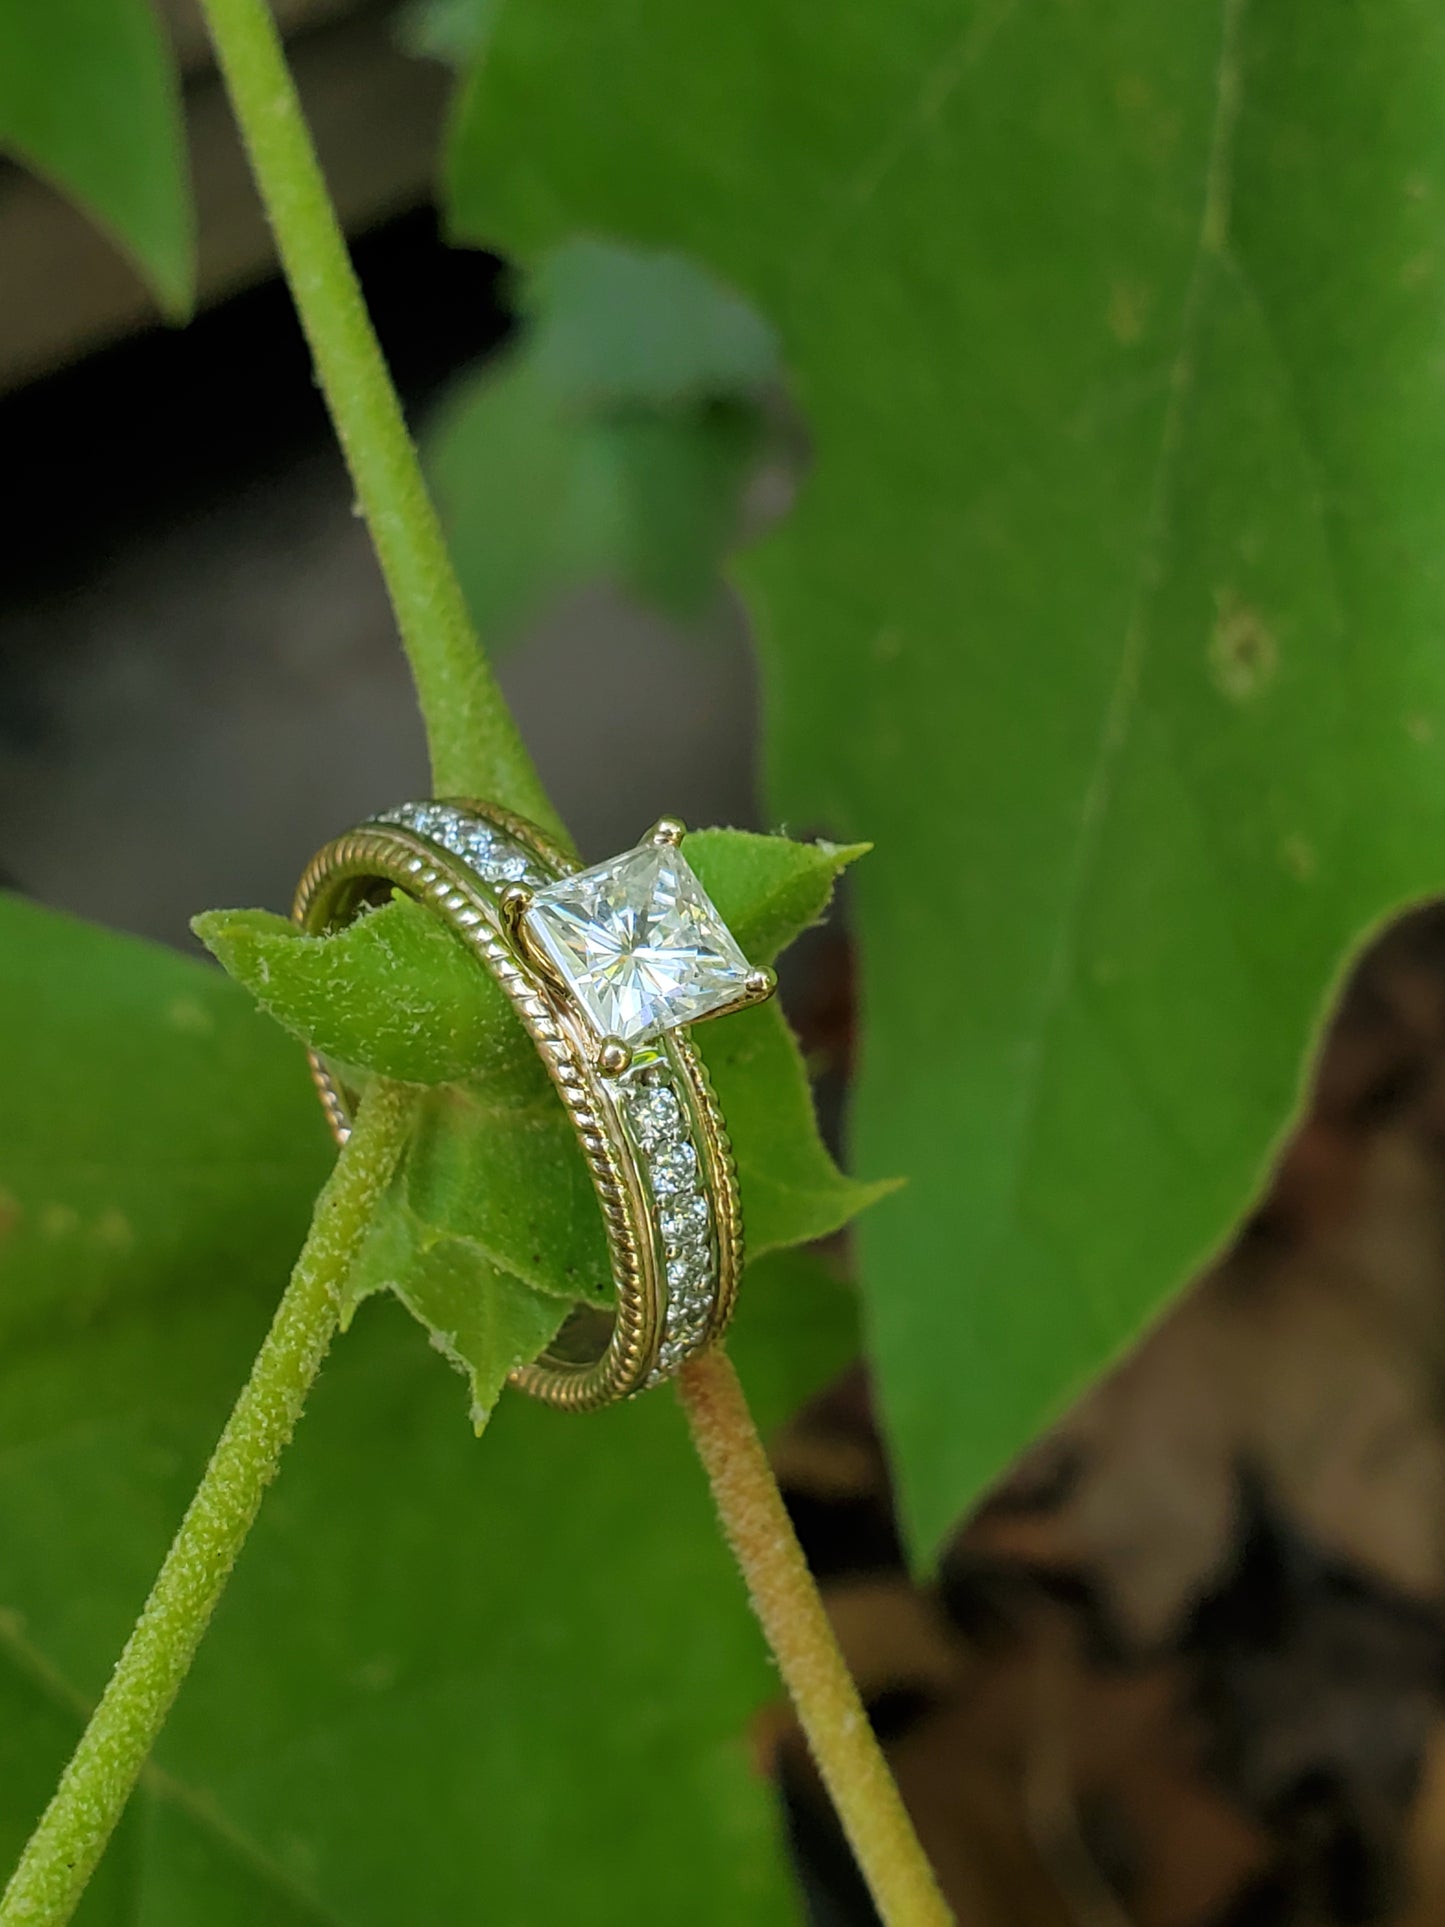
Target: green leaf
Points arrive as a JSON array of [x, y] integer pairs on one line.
[[619, 325], [768, 889], [1112, 610], [792, 1191], [397, 1713], [89, 97], [509, 1177], [394, 991], [615, 444], [480, 1318], [146, 1101]]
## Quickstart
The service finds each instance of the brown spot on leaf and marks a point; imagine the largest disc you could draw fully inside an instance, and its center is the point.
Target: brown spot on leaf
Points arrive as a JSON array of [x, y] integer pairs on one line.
[[1243, 650]]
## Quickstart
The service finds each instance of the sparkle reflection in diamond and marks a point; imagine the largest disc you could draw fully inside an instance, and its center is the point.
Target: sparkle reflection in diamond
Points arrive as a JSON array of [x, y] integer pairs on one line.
[[656, 1117], [639, 944], [673, 1168], [684, 1219]]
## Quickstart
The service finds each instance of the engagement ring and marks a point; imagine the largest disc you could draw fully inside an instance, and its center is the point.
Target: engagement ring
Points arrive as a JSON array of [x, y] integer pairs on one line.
[[606, 968]]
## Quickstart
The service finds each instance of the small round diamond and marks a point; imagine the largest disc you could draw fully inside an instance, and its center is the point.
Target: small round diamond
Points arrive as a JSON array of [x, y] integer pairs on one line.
[[478, 846], [689, 1269], [674, 1168], [690, 1309], [510, 865], [687, 1322], [656, 1118], [684, 1219]]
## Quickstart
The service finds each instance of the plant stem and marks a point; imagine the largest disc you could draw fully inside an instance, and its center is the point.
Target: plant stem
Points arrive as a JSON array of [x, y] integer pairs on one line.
[[73, 1830], [476, 749], [796, 1627]]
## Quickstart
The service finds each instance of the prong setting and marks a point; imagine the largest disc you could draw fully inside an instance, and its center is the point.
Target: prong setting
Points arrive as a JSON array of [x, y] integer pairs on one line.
[[637, 944], [757, 987], [668, 832], [514, 903], [614, 1059]]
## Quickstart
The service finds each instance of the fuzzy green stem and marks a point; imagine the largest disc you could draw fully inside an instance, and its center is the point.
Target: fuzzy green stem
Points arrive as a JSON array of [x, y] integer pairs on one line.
[[71, 1836], [476, 749], [822, 1690]]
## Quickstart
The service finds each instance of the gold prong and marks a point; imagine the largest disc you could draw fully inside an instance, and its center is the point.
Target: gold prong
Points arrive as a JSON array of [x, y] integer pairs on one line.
[[514, 903], [668, 830], [613, 1058], [760, 984]]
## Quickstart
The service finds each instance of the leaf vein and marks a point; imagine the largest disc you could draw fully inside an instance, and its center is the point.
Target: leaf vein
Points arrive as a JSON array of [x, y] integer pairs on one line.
[[1121, 707]]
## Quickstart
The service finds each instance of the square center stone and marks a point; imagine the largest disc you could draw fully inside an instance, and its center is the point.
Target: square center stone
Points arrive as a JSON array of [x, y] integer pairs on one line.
[[638, 943]]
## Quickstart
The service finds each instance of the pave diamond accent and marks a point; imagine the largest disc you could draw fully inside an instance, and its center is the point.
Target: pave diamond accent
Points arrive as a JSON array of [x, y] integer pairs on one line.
[[684, 1219], [689, 1272], [639, 944], [670, 1158], [497, 858], [674, 1169], [656, 1118]]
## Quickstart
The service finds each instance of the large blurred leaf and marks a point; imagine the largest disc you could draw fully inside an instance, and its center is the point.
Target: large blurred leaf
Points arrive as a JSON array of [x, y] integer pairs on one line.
[[431, 1644], [89, 98], [157, 1138], [1113, 610], [452, 31], [611, 324], [614, 443]]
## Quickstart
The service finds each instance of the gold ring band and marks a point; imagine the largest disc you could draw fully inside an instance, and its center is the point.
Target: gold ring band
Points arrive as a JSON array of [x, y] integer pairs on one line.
[[645, 1117]]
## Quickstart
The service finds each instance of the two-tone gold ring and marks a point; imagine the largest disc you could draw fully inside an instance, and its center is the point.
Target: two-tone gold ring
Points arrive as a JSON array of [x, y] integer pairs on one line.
[[606, 968]]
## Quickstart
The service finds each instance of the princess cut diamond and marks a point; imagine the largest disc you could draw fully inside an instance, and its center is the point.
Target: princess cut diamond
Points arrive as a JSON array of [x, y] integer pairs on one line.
[[639, 944]]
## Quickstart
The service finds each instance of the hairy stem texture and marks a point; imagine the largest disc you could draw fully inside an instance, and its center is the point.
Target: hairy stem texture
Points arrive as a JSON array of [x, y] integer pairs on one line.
[[71, 1836], [476, 749], [796, 1627]]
